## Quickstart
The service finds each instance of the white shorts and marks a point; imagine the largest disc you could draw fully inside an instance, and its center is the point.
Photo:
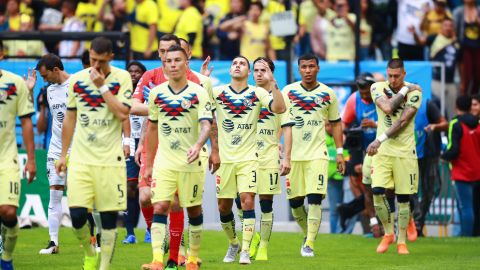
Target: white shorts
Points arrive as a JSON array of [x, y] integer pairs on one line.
[[53, 178]]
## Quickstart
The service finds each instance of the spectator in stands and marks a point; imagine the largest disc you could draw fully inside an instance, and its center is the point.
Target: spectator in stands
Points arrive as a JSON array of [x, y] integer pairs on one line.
[[143, 31], [208, 19], [475, 110], [368, 22], [410, 14], [71, 48], [91, 12], [277, 43], [190, 27], [229, 30], [117, 20], [444, 48], [467, 25], [429, 122], [306, 19], [255, 41], [384, 20], [462, 152], [13, 15], [25, 48], [433, 19], [318, 35], [168, 14], [51, 20], [341, 34]]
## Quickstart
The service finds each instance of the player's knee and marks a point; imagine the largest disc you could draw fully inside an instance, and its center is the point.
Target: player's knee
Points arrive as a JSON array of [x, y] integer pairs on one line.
[[314, 198], [79, 217], [378, 191], [161, 208], [403, 198], [295, 203], [131, 189], [145, 200], [109, 220], [248, 201], [238, 202], [266, 206]]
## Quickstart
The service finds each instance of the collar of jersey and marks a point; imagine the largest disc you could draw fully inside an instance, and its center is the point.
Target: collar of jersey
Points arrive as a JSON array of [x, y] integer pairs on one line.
[[171, 90], [318, 85], [241, 92]]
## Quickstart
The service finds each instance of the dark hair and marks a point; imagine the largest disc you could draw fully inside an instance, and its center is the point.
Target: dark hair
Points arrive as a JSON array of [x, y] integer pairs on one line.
[[169, 37], [258, 4], [307, 57], [86, 58], [464, 103], [365, 79], [70, 4], [177, 48], [241, 56], [101, 45], [269, 62], [395, 63], [138, 64], [476, 97], [50, 61], [185, 41]]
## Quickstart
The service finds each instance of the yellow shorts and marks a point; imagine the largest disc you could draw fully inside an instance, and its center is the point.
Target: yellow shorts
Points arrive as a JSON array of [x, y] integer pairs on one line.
[[367, 170], [268, 181], [103, 186], [400, 174], [307, 177], [233, 178], [10, 186], [165, 184]]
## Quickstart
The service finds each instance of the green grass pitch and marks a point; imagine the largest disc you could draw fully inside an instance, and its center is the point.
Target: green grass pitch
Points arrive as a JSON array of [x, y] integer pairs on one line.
[[332, 252]]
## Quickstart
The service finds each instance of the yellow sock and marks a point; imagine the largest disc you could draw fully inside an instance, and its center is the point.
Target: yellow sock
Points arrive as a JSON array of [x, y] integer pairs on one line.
[[109, 237], [300, 215], [314, 220], [158, 232], [403, 220], [247, 233], [384, 212], [83, 235], [194, 239], [9, 241], [266, 224]]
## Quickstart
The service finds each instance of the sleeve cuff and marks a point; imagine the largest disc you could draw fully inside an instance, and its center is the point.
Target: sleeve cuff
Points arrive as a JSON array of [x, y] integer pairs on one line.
[[28, 115], [208, 119], [291, 124], [334, 121], [153, 121], [71, 108], [270, 105]]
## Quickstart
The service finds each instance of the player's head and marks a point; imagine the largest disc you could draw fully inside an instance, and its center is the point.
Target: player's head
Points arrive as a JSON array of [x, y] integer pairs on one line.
[[396, 73], [86, 59], [136, 70], [237, 6], [308, 68], [322, 5], [255, 11], [240, 68], [448, 28], [440, 6], [101, 53], [186, 46], [364, 81], [50, 66], [475, 108], [176, 63], [259, 70], [463, 104], [165, 42]]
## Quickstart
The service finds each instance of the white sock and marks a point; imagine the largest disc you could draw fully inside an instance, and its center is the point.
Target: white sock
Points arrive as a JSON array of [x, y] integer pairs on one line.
[[98, 220], [54, 214]]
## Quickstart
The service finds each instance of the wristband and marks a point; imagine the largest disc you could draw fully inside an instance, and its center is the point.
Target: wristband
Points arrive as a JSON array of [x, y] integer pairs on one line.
[[382, 137], [373, 221], [404, 90], [103, 89], [340, 151], [126, 141]]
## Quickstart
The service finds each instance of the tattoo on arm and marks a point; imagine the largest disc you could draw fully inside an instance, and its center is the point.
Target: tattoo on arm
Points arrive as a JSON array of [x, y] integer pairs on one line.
[[389, 105], [214, 134], [407, 116], [204, 132], [143, 132]]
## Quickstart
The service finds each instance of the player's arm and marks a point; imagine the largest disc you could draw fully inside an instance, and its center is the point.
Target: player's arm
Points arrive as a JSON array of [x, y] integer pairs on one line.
[[337, 134], [277, 104], [194, 151], [407, 116], [387, 105], [67, 134], [139, 108], [141, 142], [28, 140], [214, 158], [455, 134], [287, 148], [42, 115], [126, 137], [152, 141]]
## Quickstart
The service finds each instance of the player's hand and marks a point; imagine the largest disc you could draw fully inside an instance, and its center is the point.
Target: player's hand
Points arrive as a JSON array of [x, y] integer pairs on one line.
[[193, 152], [61, 166], [147, 54], [126, 150], [368, 123], [340, 164], [147, 174], [146, 93], [205, 70], [411, 29], [376, 231], [31, 79], [138, 154], [268, 75], [414, 87], [285, 167], [97, 77], [280, 151], [31, 170], [358, 168], [214, 161], [372, 149]]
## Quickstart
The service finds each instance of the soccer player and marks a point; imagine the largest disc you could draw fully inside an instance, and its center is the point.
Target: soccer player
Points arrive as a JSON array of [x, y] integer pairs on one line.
[[136, 70], [15, 99], [311, 103], [176, 109], [237, 108], [269, 128], [98, 102], [51, 69], [394, 162]]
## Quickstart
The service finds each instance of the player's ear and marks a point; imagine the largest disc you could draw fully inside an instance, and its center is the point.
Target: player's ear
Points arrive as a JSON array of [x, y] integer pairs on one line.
[[112, 55]]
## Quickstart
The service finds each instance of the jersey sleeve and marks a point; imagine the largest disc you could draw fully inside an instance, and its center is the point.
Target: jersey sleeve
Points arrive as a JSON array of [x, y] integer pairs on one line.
[[414, 99], [191, 26], [287, 117], [152, 106], [71, 100], [265, 99], [375, 90], [125, 93], [25, 100], [204, 107], [349, 113], [333, 113], [143, 82], [152, 14]]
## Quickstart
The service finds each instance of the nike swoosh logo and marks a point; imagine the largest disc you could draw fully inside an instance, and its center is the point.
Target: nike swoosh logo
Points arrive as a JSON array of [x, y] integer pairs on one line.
[[367, 114], [251, 186], [272, 189]]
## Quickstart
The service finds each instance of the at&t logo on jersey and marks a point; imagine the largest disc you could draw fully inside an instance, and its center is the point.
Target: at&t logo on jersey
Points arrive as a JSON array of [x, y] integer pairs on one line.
[[166, 129], [228, 125], [299, 122]]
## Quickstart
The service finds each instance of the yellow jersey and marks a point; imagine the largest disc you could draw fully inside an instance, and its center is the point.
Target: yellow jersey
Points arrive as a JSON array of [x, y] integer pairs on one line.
[[191, 21], [15, 100], [98, 133], [168, 12], [253, 43], [88, 12], [143, 15], [218, 8]]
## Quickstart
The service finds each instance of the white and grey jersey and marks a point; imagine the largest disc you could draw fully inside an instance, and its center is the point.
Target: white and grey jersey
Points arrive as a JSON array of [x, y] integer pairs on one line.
[[136, 123], [57, 103]]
